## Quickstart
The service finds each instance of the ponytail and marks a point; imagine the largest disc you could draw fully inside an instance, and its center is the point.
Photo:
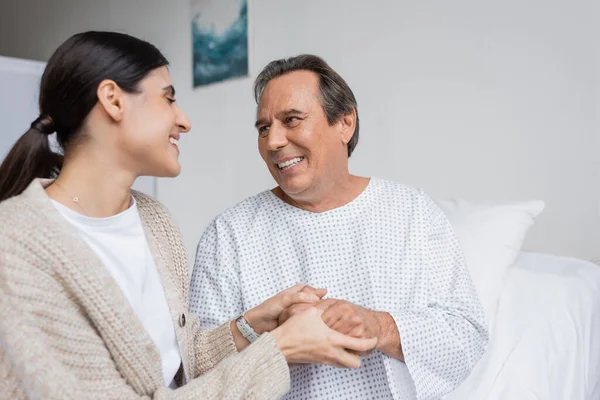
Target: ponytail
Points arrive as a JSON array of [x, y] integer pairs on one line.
[[31, 157]]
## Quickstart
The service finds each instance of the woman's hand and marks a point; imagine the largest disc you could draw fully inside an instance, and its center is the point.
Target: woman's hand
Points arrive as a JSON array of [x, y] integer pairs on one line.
[[263, 318], [305, 338]]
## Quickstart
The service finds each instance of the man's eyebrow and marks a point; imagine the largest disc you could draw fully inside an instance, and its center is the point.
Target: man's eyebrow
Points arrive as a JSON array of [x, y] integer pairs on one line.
[[280, 115], [260, 122], [289, 112]]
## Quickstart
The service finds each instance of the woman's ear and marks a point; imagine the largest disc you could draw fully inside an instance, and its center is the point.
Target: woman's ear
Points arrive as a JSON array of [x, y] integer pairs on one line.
[[110, 98]]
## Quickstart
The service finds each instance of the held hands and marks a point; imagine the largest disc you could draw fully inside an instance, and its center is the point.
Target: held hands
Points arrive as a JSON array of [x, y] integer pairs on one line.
[[305, 337], [343, 317], [355, 321], [264, 317]]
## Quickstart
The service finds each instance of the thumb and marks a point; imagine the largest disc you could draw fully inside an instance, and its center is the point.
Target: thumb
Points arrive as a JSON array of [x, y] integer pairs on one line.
[[296, 298], [316, 291], [354, 344]]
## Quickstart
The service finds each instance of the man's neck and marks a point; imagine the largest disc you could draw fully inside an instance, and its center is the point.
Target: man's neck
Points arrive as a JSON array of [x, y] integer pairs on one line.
[[333, 195]]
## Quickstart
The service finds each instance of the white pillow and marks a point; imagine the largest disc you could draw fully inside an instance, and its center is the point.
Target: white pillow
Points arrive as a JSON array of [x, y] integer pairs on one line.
[[491, 236]]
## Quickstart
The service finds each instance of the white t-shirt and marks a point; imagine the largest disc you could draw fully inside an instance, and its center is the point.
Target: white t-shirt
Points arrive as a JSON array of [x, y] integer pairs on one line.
[[120, 243], [391, 249]]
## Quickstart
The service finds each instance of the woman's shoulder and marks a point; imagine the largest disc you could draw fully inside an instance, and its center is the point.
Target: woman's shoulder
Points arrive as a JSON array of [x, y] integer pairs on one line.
[[18, 215], [151, 210], [27, 236]]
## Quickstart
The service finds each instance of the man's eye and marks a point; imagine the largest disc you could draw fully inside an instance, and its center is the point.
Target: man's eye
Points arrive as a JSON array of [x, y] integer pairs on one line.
[[263, 130], [289, 120], [171, 101]]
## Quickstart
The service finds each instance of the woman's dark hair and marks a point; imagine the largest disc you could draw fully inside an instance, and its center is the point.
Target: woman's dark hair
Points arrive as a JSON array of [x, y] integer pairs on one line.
[[68, 94]]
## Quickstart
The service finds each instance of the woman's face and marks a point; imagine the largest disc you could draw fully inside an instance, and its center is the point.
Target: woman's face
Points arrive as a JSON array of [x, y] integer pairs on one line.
[[151, 127]]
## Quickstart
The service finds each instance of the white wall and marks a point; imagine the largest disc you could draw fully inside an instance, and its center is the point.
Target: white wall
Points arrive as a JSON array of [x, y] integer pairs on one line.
[[20, 81], [480, 100]]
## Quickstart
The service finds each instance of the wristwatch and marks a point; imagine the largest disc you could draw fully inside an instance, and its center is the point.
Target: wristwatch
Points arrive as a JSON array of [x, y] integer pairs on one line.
[[246, 329]]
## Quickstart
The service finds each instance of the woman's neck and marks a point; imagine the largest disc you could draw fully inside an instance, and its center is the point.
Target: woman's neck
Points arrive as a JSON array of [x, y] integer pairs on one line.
[[92, 187]]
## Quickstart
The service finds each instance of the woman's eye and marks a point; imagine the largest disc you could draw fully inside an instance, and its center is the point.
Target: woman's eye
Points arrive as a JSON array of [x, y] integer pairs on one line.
[[171, 101]]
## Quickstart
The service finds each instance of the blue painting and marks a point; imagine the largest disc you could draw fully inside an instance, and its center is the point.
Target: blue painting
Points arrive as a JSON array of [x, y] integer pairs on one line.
[[220, 40]]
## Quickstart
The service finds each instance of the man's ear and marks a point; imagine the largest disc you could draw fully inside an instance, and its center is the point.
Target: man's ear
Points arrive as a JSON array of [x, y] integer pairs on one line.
[[110, 98], [347, 126]]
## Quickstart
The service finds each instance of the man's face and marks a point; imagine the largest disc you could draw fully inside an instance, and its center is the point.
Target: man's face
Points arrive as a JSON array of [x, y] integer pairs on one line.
[[300, 148]]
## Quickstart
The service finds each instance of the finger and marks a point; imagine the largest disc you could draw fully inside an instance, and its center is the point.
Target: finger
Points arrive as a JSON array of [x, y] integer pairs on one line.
[[339, 322], [317, 291], [296, 288], [324, 305], [342, 325], [304, 297], [337, 365], [355, 344], [331, 319], [289, 299], [341, 317], [351, 326], [332, 311], [358, 331], [347, 359], [360, 354]]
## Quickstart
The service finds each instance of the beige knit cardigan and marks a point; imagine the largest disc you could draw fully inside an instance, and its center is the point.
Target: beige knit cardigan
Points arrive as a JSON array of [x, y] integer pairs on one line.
[[68, 332]]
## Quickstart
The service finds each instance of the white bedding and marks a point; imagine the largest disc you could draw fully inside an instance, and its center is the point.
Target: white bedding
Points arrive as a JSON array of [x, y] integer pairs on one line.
[[546, 340]]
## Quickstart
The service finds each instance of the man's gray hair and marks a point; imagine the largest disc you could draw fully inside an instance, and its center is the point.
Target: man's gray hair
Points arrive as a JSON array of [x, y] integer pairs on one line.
[[337, 98]]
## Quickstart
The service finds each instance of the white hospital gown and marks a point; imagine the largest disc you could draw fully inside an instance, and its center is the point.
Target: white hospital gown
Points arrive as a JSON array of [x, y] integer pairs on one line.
[[391, 249]]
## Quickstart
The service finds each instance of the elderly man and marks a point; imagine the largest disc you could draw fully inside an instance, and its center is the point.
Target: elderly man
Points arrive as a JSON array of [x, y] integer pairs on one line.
[[385, 252]]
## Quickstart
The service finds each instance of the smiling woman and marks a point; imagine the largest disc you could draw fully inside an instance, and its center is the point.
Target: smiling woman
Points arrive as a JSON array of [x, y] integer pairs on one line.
[[114, 111]]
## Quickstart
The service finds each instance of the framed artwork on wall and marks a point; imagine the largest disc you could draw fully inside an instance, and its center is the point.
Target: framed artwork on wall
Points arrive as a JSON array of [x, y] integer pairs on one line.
[[219, 40]]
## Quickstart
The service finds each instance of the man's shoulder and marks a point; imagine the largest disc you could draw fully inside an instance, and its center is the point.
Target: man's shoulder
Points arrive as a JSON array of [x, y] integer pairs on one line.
[[395, 195], [245, 210], [394, 191]]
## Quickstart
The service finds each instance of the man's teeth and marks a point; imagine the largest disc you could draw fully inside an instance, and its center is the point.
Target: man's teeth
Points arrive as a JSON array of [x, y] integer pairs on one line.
[[290, 163], [174, 141]]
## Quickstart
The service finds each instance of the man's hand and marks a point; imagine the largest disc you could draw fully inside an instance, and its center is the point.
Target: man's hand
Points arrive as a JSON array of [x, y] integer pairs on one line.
[[305, 339], [341, 316], [352, 320], [355, 321], [360, 322]]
